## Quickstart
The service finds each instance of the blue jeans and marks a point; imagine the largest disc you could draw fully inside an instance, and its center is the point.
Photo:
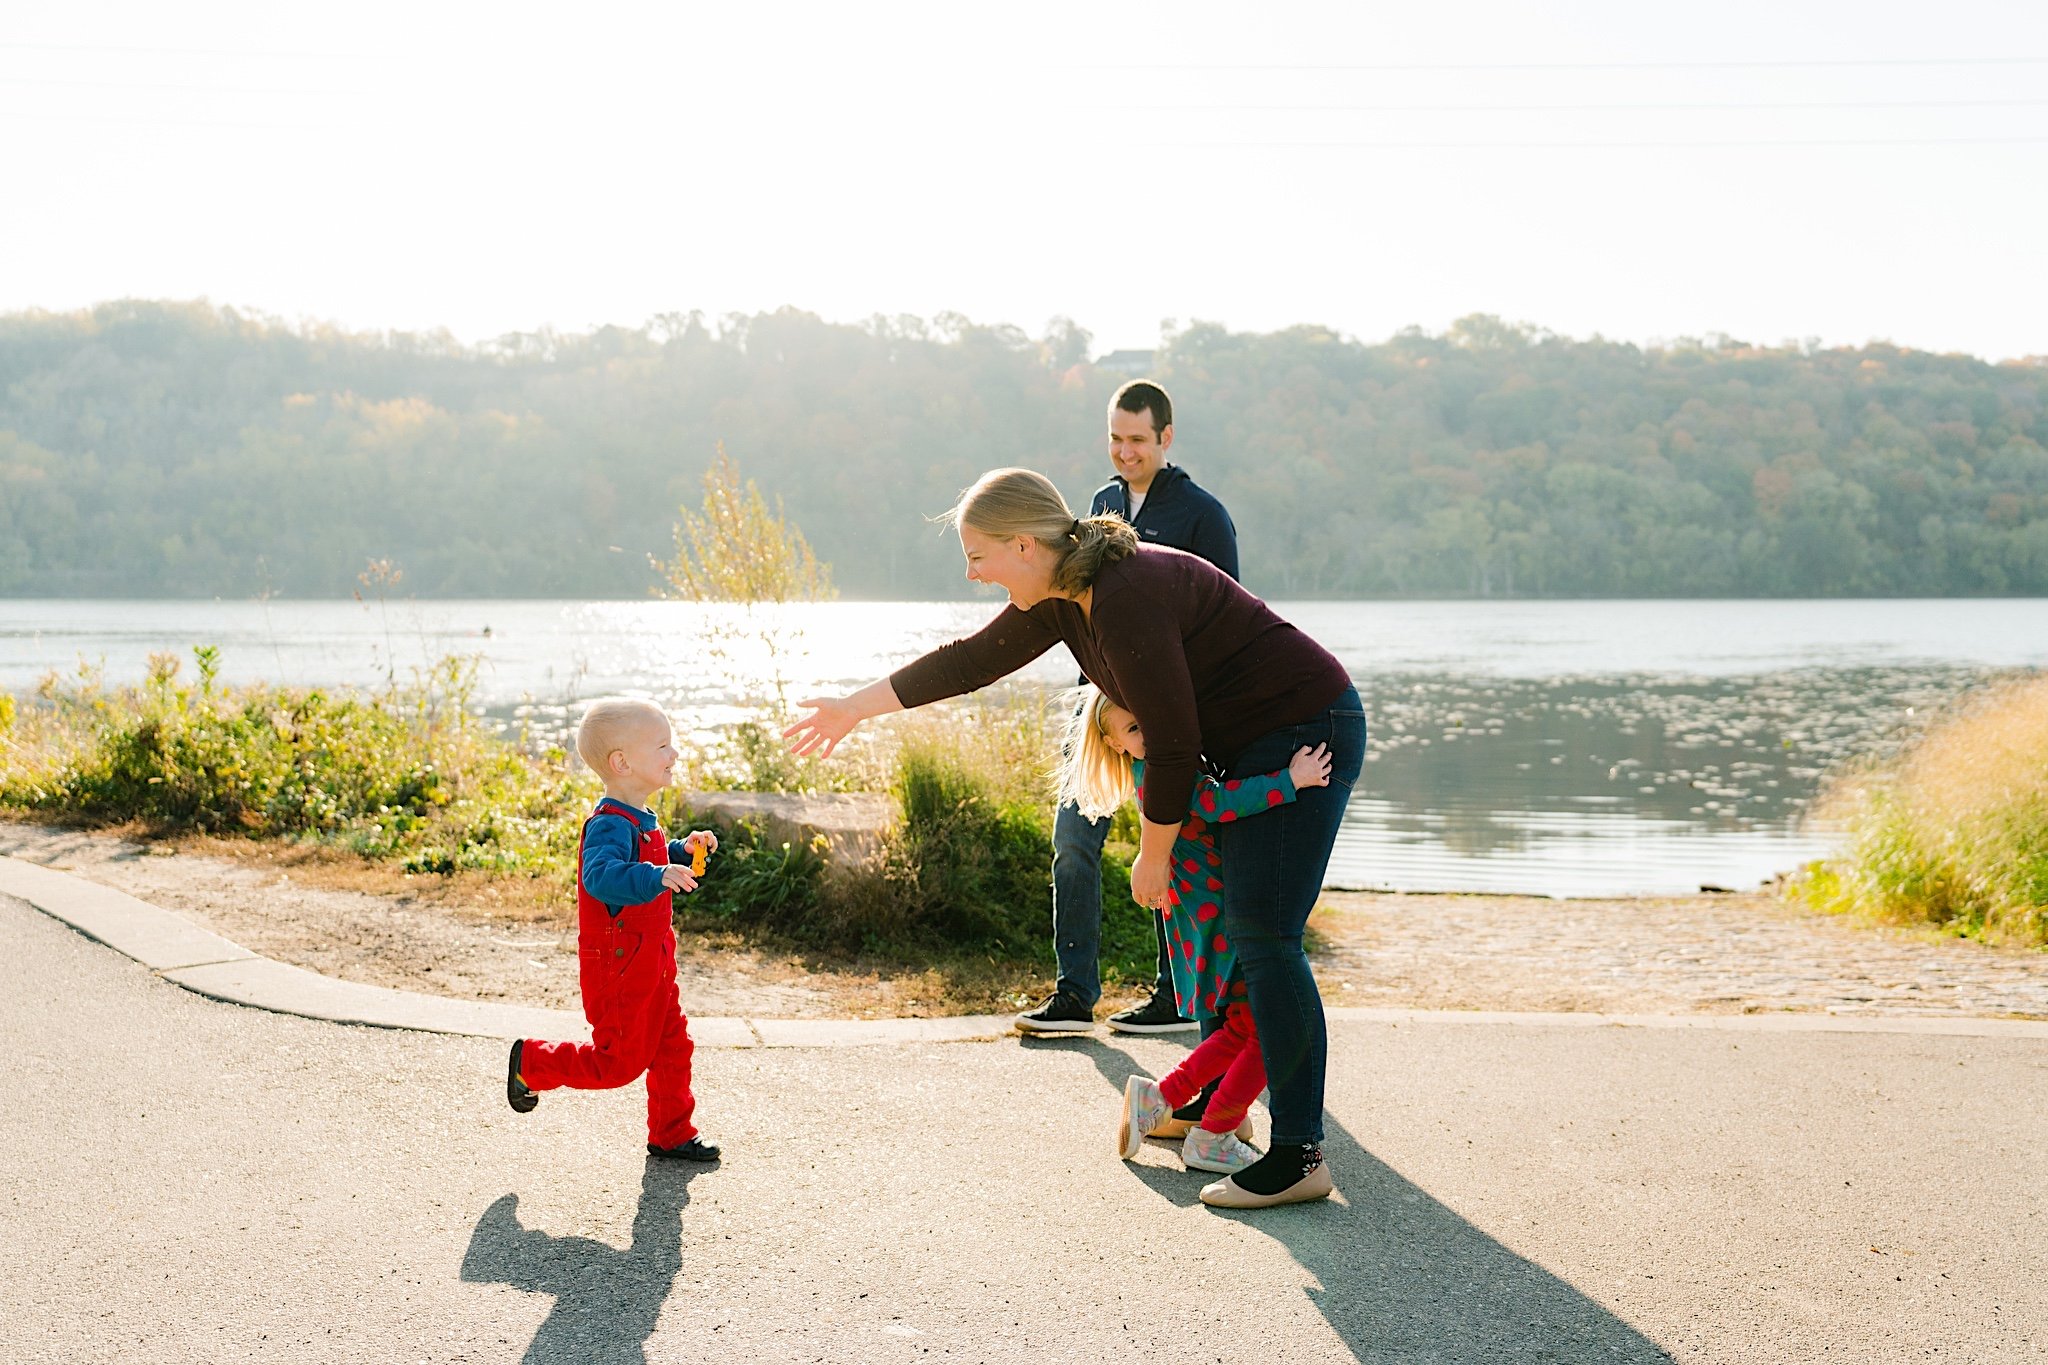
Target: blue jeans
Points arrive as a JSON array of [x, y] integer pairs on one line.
[[1273, 867], [1077, 906]]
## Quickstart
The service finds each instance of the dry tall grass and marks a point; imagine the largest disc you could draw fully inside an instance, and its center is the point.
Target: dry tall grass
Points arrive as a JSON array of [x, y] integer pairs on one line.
[[1953, 832]]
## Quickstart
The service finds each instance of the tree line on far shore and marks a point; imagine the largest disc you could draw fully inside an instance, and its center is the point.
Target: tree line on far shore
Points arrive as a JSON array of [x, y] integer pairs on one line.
[[178, 449]]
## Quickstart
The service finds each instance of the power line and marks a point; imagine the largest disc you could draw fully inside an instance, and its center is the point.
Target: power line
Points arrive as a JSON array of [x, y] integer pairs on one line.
[[1568, 108], [1843, 63], [30, 83], [182, 51], [1655, 145]]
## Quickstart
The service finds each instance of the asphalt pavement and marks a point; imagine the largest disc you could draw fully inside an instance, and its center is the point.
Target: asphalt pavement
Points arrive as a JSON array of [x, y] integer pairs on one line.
[[189, 1180]]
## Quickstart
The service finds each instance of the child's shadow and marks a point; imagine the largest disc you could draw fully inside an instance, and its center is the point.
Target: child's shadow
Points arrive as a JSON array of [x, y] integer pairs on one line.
[[606, 1300]]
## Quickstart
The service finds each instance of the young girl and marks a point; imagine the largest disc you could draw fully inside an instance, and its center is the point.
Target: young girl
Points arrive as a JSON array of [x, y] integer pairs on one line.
[[1106, 767]]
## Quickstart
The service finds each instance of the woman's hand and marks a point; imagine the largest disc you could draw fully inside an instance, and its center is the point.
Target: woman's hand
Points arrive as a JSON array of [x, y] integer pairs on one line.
[[831, 720], [1311, 767], [1149, 881]]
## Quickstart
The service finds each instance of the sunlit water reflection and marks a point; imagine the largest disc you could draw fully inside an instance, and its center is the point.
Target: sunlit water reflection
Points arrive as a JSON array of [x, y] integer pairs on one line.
[[1563, 748]]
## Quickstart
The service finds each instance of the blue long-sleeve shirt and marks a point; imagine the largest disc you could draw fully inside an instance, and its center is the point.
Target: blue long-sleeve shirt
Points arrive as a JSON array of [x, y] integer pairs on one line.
[[609, 871]]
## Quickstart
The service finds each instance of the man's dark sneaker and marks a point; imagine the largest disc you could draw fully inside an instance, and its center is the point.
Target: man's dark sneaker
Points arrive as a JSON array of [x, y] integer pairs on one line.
[[1157, 1015], [1061, 1013], [517, 1095], [696, 1149]]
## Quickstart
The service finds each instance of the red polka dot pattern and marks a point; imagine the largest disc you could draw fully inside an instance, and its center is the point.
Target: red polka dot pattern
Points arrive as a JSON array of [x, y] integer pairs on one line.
[[1206, 977]]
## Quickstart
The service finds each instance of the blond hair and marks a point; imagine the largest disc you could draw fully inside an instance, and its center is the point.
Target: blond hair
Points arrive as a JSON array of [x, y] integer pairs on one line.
[[1023, 502], [1093, 775], [605, 724]]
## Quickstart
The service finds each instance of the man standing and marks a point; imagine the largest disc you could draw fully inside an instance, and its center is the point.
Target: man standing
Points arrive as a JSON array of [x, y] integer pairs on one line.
[[1165, 507]]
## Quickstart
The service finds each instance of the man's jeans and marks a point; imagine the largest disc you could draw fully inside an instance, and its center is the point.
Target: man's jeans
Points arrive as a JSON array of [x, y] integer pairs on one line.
[[1077, 907]]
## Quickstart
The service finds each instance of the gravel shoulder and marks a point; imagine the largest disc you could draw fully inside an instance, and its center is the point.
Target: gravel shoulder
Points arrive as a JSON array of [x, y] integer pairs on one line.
[[1713, 954], [1643, 955]]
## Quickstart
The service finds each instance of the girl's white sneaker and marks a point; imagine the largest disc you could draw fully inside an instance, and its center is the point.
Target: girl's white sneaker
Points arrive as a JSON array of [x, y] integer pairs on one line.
[[1144, 1108], [1224, 1153]]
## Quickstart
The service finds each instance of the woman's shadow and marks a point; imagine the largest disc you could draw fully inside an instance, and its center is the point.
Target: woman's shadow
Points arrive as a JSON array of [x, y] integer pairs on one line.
[[1399, 1276], [606, 1300]]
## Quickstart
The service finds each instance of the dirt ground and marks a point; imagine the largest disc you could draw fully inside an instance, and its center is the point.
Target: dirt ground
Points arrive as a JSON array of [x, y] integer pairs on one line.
[[473, 939]]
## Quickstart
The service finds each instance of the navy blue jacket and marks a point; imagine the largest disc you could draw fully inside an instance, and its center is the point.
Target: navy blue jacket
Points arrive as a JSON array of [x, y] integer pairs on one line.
[[1177, 512]]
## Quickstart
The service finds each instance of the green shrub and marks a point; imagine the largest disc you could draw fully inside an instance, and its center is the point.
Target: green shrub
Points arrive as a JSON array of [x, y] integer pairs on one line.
[[965, 866], [968, 868], [410, 774], [1954, 831], [754, 882]]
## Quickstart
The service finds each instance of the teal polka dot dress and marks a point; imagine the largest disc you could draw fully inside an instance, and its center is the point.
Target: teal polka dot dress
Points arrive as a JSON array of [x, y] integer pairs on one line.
[[1205, 975]]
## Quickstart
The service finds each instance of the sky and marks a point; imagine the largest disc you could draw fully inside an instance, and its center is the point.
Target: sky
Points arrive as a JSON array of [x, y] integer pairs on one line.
[[1782, 171]]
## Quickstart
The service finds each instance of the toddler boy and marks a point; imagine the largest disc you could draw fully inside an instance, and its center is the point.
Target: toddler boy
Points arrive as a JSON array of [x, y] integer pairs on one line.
[[625, 937]]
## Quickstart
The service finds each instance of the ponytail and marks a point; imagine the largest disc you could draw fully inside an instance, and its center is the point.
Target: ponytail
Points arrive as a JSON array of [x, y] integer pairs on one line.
[[1096, 541], [1013, 502]]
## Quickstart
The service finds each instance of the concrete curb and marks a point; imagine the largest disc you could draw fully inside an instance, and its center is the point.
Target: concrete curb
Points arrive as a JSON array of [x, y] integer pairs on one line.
[[203, 962]]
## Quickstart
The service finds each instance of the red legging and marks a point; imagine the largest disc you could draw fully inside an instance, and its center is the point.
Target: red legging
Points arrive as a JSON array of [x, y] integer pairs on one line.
[[1231, 1052], [636, 1025]]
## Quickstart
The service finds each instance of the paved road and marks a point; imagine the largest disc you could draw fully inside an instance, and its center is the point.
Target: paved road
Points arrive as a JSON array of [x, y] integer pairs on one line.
[[190, 1181]]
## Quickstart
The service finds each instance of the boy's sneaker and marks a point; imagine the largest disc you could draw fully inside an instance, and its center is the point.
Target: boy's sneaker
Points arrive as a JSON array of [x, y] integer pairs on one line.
[[696, 1149], [1223, 1153], [517, 1095], [1143, 1108], [1061, 1013], [1158, 1015]]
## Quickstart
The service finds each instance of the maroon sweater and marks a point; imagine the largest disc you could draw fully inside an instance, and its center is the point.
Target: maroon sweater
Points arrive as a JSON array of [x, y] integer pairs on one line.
[[1205, 666]]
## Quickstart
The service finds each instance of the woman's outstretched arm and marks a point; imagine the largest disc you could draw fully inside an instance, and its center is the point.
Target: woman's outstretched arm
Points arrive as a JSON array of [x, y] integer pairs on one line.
[[997, 650], [833, 718]]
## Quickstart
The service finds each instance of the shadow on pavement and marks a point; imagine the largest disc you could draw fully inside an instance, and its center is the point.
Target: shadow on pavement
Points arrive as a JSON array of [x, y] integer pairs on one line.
[[606, 1300], [1400, 1276]]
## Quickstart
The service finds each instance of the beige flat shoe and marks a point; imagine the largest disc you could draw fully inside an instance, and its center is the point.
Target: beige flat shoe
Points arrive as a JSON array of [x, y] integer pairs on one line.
[[1228, 1194], [1180, 1128]]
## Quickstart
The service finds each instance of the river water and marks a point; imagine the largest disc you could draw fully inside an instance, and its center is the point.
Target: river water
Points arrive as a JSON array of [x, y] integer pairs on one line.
[[1557, 748]]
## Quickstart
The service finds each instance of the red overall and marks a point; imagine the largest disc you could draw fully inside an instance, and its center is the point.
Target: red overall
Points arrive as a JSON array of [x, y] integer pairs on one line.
[[627, 965]]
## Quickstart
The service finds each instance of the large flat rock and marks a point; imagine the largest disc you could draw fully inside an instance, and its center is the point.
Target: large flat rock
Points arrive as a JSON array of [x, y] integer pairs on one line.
[[853, 822]]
